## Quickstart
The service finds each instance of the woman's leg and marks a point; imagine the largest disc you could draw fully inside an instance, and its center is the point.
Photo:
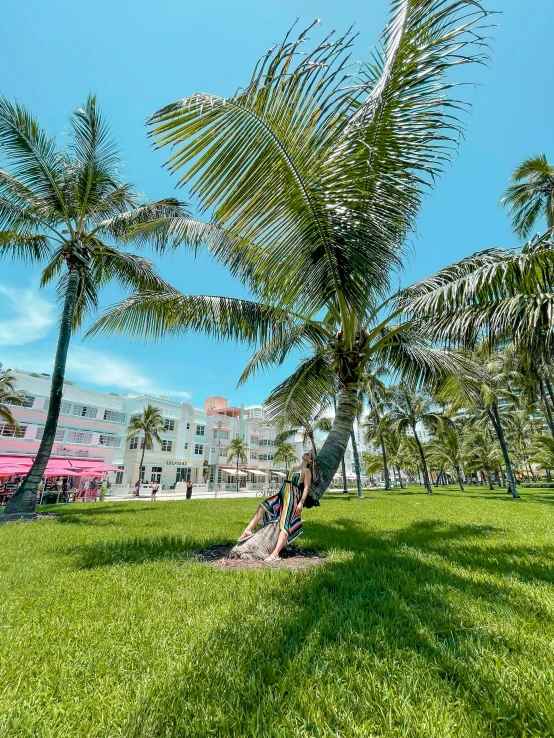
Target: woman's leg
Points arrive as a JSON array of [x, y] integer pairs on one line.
[[254, 522], [281, 541]]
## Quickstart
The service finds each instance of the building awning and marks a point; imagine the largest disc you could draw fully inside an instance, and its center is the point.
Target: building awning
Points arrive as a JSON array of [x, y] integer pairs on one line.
[[279, 474], [258, 472], [234, 472]]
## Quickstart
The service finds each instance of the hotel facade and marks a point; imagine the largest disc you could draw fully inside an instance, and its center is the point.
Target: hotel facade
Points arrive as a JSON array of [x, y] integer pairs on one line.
[[195, 441]]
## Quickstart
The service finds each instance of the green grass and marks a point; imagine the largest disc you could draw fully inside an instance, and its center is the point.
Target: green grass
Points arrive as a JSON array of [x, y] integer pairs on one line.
[[431, 617]]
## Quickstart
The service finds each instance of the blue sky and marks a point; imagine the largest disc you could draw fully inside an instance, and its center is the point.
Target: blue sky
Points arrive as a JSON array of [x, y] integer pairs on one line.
[[139, 55]]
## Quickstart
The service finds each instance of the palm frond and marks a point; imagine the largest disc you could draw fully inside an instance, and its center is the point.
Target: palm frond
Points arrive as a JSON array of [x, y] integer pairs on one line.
[[153, 315], [26, 247], [312, 384]]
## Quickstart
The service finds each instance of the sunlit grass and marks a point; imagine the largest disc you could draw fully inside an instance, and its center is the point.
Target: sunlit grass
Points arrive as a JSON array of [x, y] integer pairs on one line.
[[431, 617]]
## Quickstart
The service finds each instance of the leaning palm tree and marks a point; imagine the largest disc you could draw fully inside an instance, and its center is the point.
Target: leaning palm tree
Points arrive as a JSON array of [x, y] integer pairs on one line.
[[285, 453], [406, 411], [69, 208], [531, 196], [148, 426], [9, 395], [316, 170], [446, 449], [238, 450]]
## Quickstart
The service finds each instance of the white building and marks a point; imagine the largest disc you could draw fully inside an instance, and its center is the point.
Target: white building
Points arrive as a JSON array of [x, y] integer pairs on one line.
[[93, 426]]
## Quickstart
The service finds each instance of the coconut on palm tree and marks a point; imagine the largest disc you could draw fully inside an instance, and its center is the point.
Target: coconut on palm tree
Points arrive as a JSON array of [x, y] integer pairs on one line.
[[69, 209], [147, 426], [238, 450], [285, 453], [316, 170]]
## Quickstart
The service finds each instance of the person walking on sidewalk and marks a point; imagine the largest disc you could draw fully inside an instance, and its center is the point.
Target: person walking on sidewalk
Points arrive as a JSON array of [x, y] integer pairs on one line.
[[189, 490], [155, 488]]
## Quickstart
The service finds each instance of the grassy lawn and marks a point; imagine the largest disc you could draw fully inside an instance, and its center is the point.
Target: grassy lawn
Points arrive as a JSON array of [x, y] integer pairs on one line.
[[431, 617]]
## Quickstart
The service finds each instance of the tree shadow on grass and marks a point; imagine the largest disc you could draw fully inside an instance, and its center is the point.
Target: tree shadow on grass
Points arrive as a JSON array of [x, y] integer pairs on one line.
[[390, 638]]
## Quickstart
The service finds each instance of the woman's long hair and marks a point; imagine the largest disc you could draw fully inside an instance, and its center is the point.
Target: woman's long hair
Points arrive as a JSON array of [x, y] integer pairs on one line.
[[312, 466]]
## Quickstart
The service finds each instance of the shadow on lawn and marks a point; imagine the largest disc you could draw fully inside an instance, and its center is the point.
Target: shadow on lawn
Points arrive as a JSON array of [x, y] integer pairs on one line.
[[305, 655]]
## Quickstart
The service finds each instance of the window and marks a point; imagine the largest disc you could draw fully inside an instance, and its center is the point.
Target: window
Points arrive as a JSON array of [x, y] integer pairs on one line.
[[186, 446], [26, 401], [223, 452], [183, 474], [114, 416], [156, 474], [167, 445], [9, 430], [169, 425], [78, 437], [113, 441], [188, 426], [254, 440], [60, 434], [119, 475], [133, 443], [266, 457], [198, 449], [64, 410], [253, 454], [267, 442], [85, 411], [200, 430], [223, 435]]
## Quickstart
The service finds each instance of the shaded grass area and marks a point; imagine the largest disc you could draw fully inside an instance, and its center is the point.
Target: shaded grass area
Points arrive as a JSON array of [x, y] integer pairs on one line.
[[431, 616]]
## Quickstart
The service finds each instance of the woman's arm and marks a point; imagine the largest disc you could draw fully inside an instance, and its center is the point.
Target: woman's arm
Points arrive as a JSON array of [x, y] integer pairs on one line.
[[307, 482]]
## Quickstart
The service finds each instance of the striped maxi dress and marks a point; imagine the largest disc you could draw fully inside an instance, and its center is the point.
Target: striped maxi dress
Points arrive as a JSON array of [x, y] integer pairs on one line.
[[283, 507]]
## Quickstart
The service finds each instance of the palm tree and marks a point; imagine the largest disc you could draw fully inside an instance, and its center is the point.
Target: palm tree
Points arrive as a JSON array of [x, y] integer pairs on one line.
[[307, 427], [238, 449], [9, 395], [316, 171], [286, 453], [374, 390], [149, 424], [406, 409], [542, 453], [446, 449], [62, 207], [531, 196], [372, 464]]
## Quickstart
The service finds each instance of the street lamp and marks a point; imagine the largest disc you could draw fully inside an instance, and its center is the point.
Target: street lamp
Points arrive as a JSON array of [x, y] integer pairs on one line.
[[216, 477]]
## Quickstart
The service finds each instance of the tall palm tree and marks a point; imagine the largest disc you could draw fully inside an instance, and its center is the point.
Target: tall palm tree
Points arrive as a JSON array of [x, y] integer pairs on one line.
[[374, 391], [238, 450], [316, 170], [286, 453], [9, 395], [148, 426], [531, 196], [307, 427], [542, 453], [68, 207], [406, 409], [446, 449]]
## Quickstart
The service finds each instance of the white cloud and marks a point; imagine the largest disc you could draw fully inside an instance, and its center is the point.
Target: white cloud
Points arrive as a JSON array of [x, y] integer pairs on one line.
[[26, 316], [90, 367]]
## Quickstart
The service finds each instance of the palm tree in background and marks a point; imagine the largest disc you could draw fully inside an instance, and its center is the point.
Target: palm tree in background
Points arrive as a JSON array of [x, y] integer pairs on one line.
[[65, 207], [147, 426], [531, 196], [315, 170], [238, 450], [9, 395], [285, 453], [446, 449], [406, 409]]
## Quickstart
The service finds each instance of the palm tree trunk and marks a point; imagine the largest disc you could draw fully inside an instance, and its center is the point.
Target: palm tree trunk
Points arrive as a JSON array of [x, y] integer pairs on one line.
[[550, 391], [548, 412], [344, 485], [489, 479], [332, 451], [140, 467], [385, 466], [492, 412], [238, 475], [24, 500], [357, 465], [423, 463], [460, 478]]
